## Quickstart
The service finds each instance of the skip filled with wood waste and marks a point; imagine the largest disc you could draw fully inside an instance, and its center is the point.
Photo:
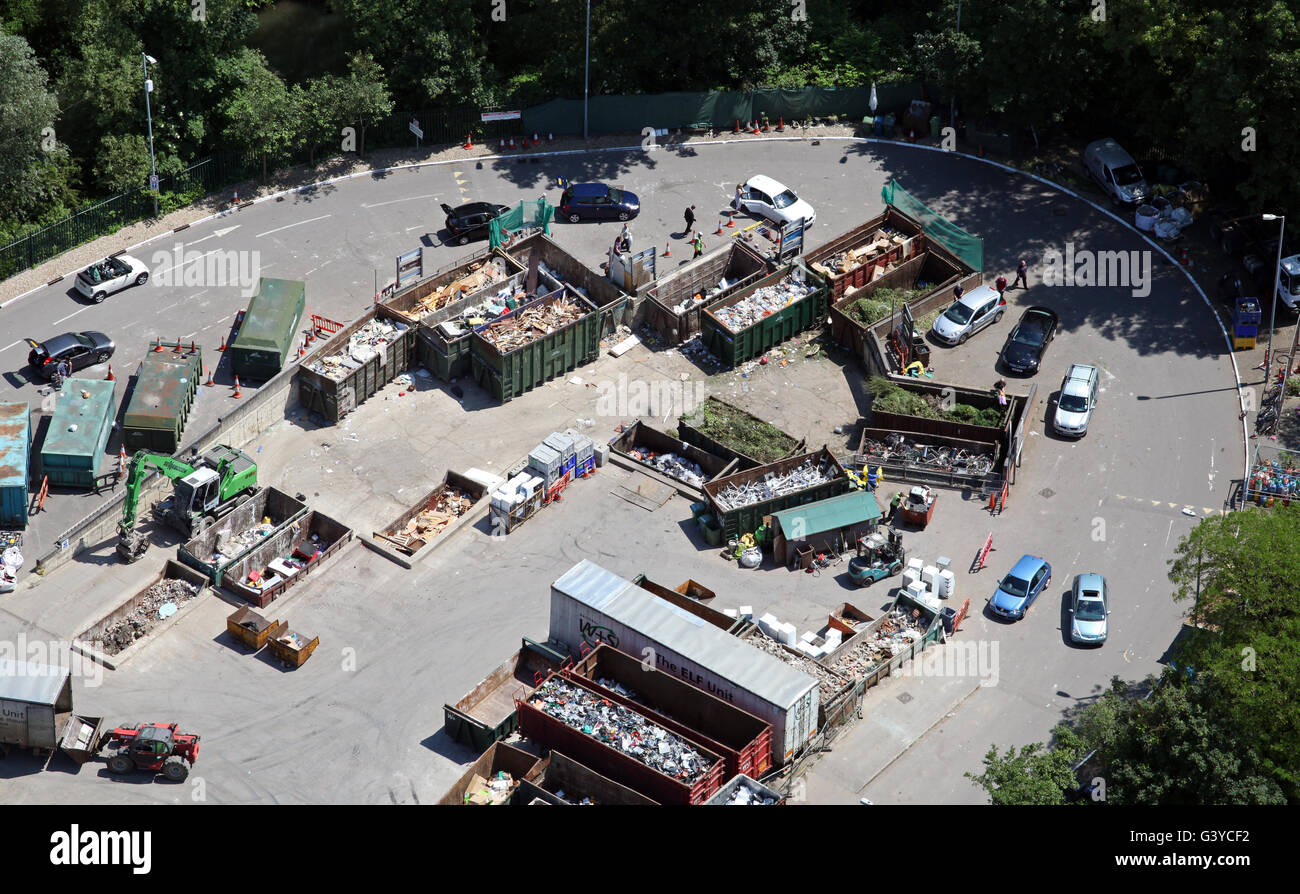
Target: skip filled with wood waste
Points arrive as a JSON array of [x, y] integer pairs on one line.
[[363, 345], [532, 322], [442, 510], [877, 243], [478, 277]]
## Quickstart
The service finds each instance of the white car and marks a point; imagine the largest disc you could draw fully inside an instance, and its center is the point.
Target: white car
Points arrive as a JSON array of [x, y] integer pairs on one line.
[[110, 275], [765, 196]]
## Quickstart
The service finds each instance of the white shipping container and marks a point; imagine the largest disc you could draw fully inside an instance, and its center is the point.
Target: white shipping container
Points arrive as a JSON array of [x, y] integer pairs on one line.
[[588, 602]]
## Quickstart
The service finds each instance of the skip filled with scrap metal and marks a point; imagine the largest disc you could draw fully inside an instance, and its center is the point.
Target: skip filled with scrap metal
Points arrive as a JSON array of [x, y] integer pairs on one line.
[[772, 485]]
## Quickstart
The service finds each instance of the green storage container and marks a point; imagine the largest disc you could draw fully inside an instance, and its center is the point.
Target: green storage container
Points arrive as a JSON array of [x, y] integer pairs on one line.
[[15, 448], [160, 404], [734, 348], [269, 331], [447, 358], [507, 375], [78, 432]]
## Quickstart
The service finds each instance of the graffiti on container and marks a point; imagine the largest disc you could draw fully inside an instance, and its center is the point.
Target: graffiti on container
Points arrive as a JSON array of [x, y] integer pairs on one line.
[[697, 680], [592, 631]]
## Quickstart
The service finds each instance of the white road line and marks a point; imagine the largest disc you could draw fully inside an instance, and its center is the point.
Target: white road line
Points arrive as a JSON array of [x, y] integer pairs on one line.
[[395, 201], [191, 335], [287, 226], [71, 315], [188, 260], [314, 269], [8, 346]]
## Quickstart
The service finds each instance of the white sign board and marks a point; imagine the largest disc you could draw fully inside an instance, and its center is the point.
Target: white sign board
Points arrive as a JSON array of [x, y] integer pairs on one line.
[[415, 129], [501, 116]]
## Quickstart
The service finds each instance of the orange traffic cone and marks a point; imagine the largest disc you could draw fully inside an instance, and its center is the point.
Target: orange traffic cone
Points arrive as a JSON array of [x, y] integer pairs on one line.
[[503, 144], [223, 344], [718, 231], [237, 393], [536, 137], [668, 251], [780, 124], [121, 461], [736, 127], [731, 218], [550, 137], [756, 130], [469, 141], [157, 347], [512, 142], [110, 377], [209, 382], [193, 348], [177, 349]]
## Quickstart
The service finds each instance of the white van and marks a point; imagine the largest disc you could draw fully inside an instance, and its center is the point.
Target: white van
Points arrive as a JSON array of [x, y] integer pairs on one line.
[[1116, 172]]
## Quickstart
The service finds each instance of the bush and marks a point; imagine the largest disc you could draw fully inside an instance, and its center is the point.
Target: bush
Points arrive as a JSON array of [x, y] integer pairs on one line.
[[891, 397]]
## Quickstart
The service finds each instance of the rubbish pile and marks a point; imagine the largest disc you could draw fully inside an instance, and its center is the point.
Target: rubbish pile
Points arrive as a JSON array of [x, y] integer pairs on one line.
[[829, 683], [763, 302], [773, 485], [230, 544], [620, 729], [11, 560], [744, 796], [670, 464], [880, 241], [445, 508], [145, 615], [363, 345], [490, 792], [477, 278], [891, 638], [293, 640], [533, 323]]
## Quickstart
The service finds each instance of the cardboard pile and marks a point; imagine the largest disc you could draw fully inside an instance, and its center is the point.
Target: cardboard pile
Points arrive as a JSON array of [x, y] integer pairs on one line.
[[497, 790], [879, 242], [532, 323], [445, 508]]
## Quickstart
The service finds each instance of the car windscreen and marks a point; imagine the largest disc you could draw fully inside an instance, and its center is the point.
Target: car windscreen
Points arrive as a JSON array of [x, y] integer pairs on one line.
[[615, 196], [1074, 403], [785, 199], [1089, 609], [1127, 175], [1015, 586], [959, 313], [1030, 332], [1290, 284]]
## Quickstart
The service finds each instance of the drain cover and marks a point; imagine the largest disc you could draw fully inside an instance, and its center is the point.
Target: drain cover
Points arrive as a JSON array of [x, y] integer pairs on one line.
[[905, 697], [1047, 492]]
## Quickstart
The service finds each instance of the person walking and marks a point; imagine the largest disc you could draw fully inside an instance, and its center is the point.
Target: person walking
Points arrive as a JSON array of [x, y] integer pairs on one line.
[[1000, 285], [690, 219], [740, 194], [699, 244], [1000, 386], [1022, 275], [626, 236], [957, 292], [893, 507]]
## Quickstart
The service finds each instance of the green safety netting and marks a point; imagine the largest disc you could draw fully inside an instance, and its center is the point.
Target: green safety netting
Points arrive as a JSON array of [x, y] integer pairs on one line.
[[534, 214], [952, 237]]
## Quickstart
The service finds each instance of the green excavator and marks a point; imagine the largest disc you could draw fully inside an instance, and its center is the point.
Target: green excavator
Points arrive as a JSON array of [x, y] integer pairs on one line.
[[203, 490]]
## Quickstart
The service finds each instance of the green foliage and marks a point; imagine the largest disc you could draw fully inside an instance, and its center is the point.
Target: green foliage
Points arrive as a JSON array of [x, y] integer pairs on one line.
[[880, 303], [743, 433], [362, 97], [892, 397], [122, 162], [259, 113], [33, 170], [1034, 775]]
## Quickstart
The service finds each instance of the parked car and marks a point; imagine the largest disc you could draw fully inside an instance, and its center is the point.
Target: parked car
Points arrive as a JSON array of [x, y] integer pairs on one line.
[[970, 313], [596, 201], [470, 221], [1116, 172], [80, 349], [110, 275], [1089, 609], [1075, 403], [766, 197], [1018, 590], [1026, 344]]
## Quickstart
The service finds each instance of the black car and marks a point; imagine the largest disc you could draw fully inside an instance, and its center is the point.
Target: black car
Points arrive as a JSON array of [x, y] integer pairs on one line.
[[79, 349], [596, 201], [470, 221], [1029, 340]]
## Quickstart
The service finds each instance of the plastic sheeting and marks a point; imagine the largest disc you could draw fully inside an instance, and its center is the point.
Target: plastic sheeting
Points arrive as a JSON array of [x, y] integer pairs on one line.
[[952, 237]]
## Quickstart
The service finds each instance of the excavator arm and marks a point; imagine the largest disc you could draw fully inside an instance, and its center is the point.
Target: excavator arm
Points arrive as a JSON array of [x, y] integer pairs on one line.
[[141, 464]]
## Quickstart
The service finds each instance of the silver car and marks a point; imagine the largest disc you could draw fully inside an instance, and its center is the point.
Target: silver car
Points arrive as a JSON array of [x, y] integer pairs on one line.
[[980, 307], [1089, 609], [1077, 400]]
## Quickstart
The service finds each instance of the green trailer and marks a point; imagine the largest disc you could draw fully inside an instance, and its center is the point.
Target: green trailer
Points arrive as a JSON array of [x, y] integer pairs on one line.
[[534, 359], [165, 389], [78, 432], [769, 327], [15, 449], [268, 333]]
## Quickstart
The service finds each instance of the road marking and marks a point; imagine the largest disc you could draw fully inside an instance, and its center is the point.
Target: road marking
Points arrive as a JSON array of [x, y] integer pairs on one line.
[[314, 269], [298, 224], [224, 231], [188, 260], [1167, 533], [71, 315], [8, 346], [416, 227], [394, 202]]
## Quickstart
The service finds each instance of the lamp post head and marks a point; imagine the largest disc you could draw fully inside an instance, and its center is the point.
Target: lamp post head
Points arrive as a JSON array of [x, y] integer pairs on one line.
[[150, 59], [1273, 216]]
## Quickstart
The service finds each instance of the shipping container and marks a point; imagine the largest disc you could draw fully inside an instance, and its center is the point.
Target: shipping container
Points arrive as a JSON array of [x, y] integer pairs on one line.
[[284, 558], [352, 366], [397, 543], [486, 714], [268, 334], [543, 357], [589, 603], [563, 782], [888, 238], [15, 450], [675, 301], [744, 791], [36, 712], [79, 430], [730, 440], [808, 311], [500, 758], [548, 731], [639, 444], [540, 252], [742, 740], [95, 633], [275, 506], [166, 386], [737, 520]]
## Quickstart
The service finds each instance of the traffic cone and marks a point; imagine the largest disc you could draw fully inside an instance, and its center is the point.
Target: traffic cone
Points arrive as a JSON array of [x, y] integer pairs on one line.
[[731, 218], [736, 127], [121, 461], [157, 348], [110, 377], [550, 137], [193, 348], [469, 141], [668, 251], [237, 393], [236, 201], [756, 130], [780, 124], [718, 231], [512, 142], [177, 349], [223, 344], [209, 382], [536, 137]]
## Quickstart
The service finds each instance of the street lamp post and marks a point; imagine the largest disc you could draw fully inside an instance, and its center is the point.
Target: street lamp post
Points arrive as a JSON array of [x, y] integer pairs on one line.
[[146, 59], [586, 73], [1277, 281]]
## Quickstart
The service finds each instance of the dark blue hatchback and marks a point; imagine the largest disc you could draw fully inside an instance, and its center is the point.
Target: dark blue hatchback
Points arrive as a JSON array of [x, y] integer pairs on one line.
[[596, 201]]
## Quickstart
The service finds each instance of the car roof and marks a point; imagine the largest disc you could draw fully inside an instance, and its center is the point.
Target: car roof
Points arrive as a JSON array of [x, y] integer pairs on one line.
[[473, 208], [1090, 580], [976, 297], [1041, 314], [586, 190], [59, 343], [1110, 151], [765, 184], [1027, 566]]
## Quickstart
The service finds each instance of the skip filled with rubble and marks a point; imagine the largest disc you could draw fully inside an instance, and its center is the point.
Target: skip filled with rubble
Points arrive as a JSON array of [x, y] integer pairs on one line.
[[363, 345], [531, 323], [763, 302], [621, 729], [894, 637], [442, 510], [145, 616], [829, 683]]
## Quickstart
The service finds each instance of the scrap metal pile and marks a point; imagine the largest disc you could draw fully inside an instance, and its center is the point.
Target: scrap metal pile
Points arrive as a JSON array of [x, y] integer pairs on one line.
[[744, 796], [448, 506], [670, 464], [363, 345], [879, 241], [144, 616], [763, 302], [477, 278], [829, 683], [533, 323], [891, 638], [620, 729], [772, 485]]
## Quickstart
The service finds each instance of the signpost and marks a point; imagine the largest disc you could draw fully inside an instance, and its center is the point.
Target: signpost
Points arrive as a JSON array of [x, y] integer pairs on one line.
[[153, 183], [791, 240], [409, 266], [419, 134], [501, 116]]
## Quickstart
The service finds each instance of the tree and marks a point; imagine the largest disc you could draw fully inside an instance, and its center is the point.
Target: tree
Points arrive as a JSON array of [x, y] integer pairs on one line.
[[1035, 775], [363, 96], [122, 163], [259, 114], [316, 106], [34, 175]]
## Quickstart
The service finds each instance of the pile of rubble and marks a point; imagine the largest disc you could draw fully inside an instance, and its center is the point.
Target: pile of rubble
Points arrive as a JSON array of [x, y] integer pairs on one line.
[[621, 729], [744, 796], [144, 616], [763, 302], [773, 485], [477, 278], [230, 544], [445, 508], [670, 464], [829, 683], [363, 345], [533, 323], [880, 241], [893, 637]]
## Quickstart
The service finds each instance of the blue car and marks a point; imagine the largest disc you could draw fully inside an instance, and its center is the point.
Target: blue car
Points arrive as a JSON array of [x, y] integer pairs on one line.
[[596, 201], [1018, 590]]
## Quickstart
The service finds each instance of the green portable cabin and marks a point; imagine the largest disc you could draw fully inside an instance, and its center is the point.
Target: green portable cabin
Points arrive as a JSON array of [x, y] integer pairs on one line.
[[79, 430], [160, 403], [15, 445], [834, 524], [269, 330]]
